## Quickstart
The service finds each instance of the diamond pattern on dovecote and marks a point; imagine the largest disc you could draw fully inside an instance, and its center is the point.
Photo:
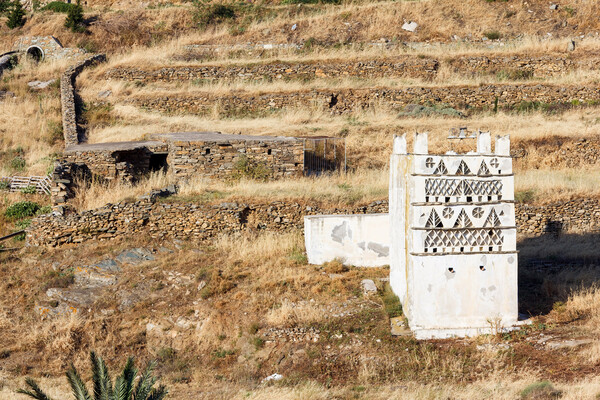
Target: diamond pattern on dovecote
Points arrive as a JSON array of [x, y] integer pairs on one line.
[[459, 187], [473, 237]]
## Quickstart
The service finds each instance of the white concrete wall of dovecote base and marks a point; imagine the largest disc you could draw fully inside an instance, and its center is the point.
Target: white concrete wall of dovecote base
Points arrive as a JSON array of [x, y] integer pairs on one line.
[[360, 239]]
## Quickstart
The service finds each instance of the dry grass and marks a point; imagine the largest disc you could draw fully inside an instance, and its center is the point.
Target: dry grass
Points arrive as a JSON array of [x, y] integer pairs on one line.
[[31, 121], [337, 189]]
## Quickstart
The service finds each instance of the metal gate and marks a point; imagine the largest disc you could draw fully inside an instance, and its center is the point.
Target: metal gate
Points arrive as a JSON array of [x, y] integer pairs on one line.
[[323, 154]]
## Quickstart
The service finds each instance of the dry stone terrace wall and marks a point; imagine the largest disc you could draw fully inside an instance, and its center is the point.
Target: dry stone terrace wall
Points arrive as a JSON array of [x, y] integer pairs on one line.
[[347, 100], [218, 159], [200, 222], [162, 220], [402, 66], [67, 97]]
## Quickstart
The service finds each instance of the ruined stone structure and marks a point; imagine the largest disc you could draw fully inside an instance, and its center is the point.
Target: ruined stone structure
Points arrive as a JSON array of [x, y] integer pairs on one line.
[[213, 154], [453, 260], [46, 48]]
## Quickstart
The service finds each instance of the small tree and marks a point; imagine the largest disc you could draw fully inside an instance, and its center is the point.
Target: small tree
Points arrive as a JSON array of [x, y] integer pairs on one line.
[[74, 19], [16, 16]]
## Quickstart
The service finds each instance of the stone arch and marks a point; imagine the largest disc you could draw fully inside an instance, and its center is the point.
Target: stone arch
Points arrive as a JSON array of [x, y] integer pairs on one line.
[[35, 53]]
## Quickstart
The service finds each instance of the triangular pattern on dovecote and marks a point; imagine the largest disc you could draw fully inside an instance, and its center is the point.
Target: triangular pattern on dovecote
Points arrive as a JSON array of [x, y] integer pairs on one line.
[[463, 220], [441, 169], [483, 169], [463, 169], [434, 220], [492, 219]]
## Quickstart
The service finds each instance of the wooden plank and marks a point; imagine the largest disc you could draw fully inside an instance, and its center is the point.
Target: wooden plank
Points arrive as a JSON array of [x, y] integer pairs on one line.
[[11, 235]]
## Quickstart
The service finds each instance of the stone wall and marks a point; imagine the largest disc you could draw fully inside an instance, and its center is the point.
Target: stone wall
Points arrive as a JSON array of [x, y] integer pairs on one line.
[[110, 164], [52, 49], [220, 159], [162, 220], [198, 221], [347, 100], [67, 97], [410, 66], [517, 66]]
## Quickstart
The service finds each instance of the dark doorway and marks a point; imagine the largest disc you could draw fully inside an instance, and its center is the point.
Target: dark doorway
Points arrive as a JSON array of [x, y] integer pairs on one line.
[[158, 161], [35, 53]]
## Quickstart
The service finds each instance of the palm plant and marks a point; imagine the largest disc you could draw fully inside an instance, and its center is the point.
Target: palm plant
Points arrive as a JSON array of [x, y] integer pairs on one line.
[[125, 386]]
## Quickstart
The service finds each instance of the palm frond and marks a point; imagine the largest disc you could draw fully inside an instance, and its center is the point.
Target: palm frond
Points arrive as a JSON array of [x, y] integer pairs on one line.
[[145, 383], [101, 378], [124, 383], [158, 393], [35, 391], [80, 392]]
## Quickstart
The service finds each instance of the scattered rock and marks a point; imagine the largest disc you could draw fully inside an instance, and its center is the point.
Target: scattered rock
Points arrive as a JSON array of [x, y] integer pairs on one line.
[[4, 94], [571, 45], [493, 346], [38, 85], [104, 93], [554, 6], [274, 377], [399, 327], [410, 26], [368, 286], [567, 344], [294, 27]]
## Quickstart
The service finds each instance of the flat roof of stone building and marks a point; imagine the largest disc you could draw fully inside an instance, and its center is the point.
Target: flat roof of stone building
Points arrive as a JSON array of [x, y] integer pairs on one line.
[[112, 146], [216, 137]]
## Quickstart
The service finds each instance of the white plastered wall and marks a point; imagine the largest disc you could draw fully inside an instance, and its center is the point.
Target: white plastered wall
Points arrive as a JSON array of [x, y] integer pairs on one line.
[[360, 239]]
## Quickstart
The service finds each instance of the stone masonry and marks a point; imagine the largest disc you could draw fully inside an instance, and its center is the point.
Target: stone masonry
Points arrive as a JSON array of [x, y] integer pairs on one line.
[[340, 101], [67, 97], [212, 154], [202, 221]]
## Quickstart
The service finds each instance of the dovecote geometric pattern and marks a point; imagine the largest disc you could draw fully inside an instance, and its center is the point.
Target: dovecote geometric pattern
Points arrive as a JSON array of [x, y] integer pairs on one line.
[[462, 187]]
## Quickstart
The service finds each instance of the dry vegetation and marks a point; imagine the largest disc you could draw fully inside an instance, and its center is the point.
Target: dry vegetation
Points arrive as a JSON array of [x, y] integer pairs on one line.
[[217, 304]]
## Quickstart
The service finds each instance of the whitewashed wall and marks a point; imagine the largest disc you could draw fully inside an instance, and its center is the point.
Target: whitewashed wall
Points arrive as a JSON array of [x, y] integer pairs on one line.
[[362, 240]]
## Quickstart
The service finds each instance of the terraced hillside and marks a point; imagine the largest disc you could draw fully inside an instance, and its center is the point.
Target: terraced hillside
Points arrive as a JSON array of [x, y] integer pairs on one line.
[[223, 309]]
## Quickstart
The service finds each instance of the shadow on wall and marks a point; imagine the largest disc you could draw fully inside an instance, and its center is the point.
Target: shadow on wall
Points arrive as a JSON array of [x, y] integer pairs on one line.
[[551, 266]]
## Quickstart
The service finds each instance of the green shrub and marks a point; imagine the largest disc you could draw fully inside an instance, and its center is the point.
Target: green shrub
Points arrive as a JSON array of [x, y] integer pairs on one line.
[[492, 35], [74, 20], [540, 390], [391, 302], [4, 185], [246, 168], [16, 16], [22, 209], [514, 74], [4, 6], [18, 163], [55, 131], [59, 7], [525, 196], [212, 14], [29, 190]]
